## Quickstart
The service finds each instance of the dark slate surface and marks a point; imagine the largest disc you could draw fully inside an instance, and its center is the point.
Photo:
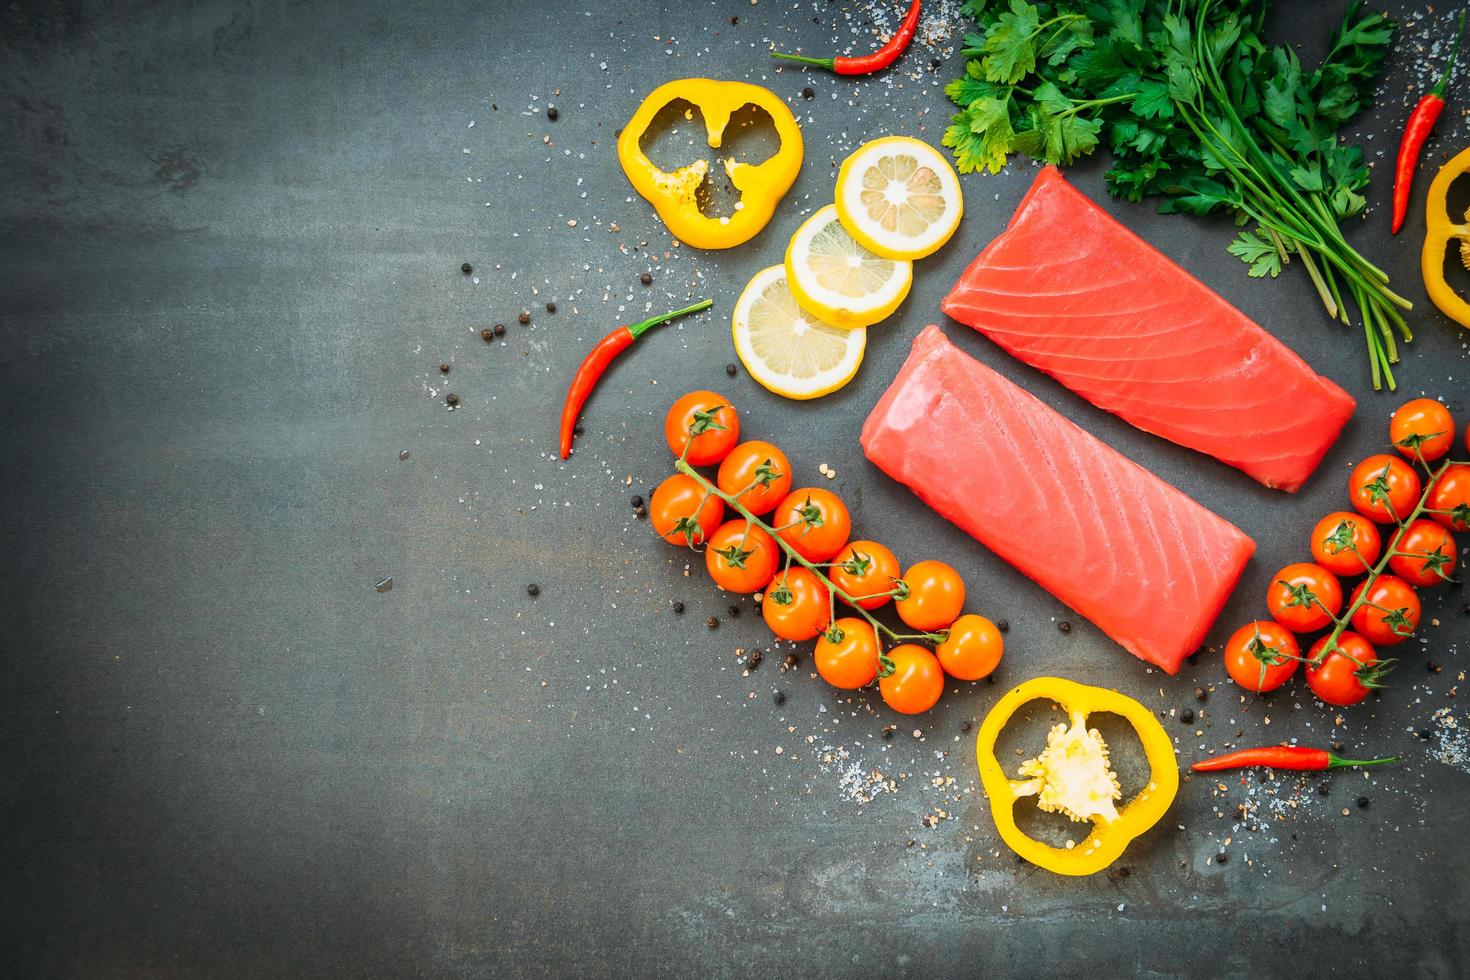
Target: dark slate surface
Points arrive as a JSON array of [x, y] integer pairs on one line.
[[230, 250]]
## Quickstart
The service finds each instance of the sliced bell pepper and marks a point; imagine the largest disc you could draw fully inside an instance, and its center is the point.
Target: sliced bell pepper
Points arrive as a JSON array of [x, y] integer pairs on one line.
[[672, 194], [1440, 230], [1072, 776]]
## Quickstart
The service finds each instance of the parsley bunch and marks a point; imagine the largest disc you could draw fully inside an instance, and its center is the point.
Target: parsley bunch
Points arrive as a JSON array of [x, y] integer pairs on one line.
[[1197, 109]]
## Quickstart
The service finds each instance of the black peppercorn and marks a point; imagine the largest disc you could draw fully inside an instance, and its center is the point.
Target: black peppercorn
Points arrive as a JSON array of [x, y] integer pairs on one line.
[[487, 335], [734, 21], [1187, 716], [1200, 694], [466, 268], [500, 330], [1424, 734], [451, 399], [777, 696], [646, 279], [965, 727], [444, 369], [533, 590], [551, 112], [640, 513], [935, 63], [1362, 803], [551, 307], [1221, 858], [637, 500], [791, 661], [753, 660], [807, 93], [678, 608], [734, 611], [1064, 626], [1323, 788], [1003, 625], [524, 317], [1433, 667], [730, 370], [712, 622], [888, 733]]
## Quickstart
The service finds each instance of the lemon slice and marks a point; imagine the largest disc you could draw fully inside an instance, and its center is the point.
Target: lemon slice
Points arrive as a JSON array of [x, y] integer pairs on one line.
[[899, 197], [785, 348], [838, 280]]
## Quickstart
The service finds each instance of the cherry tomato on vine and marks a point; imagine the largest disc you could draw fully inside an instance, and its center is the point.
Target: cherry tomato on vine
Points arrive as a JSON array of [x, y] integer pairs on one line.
[[1393, 615], [814, 522], [849, 661], [1451, 492], [936, 595], [916, 682], [1347, 674], [1260, 656], [864, 568], [1304, 597], [972, 649], [1346, 552], [796, 605], [1433, 551], [741, 557], [717, 423], [671, 511], [748, 463], [1383, 481], [1423, 422]]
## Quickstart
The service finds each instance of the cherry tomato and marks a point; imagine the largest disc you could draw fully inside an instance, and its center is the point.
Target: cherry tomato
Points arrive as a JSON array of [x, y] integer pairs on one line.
[[1451, 492], [1430, 547], [1349, 671], [936, 596], [916, 682], [814, 522], [851, 660], [796, 606], [864, 568], [1259, 656], [755, 461], [972, 649], [1331, 547], [671, 511], [1394, 612], [741, 557], [1423, 422], [1303, 597], [1379, 477], [716, 421]]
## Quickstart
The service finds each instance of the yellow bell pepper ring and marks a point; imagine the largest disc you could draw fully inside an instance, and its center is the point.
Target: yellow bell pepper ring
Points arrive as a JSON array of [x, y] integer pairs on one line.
[[761, 185], [1072, 776], [1440, 230]]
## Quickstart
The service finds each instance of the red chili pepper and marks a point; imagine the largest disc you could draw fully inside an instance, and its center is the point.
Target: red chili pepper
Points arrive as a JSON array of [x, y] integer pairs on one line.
[[1420, 125], [1285, 757], [868, 63], [597, 361]]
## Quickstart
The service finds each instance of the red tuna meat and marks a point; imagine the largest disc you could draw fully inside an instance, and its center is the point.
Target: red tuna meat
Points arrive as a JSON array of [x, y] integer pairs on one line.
[[1150, 566], [1070, 291]]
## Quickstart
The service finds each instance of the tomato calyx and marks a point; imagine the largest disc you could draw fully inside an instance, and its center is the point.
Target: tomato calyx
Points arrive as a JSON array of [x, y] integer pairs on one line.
[[901, 590], [1414, 441], [1396, 620], [858, 564], [689, 527], [705, 421], [782, 595], [809, 514], [834, 633], [1302, 595], [734, 555], [886, 666], [1378, 492], [765, 475], [1341, 539]]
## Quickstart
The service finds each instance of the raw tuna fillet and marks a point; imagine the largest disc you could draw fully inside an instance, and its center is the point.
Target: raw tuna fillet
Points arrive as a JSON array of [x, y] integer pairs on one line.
[[1151, 567], [1070, 291]]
